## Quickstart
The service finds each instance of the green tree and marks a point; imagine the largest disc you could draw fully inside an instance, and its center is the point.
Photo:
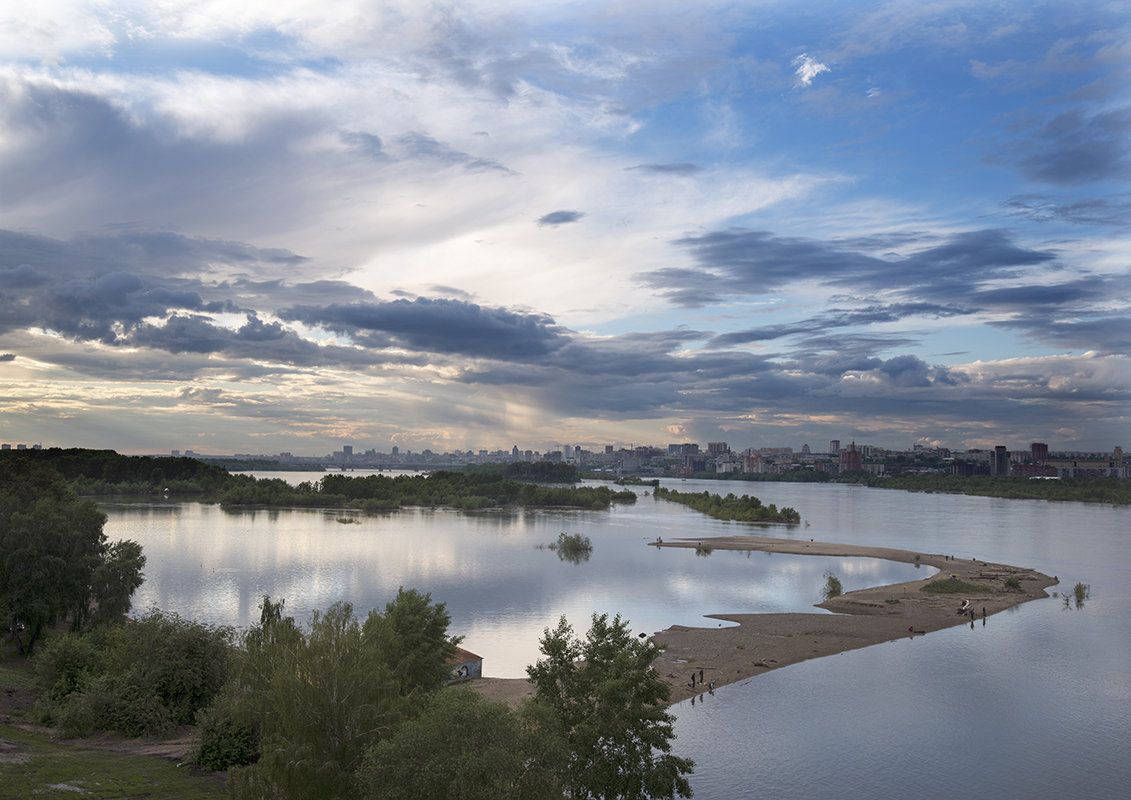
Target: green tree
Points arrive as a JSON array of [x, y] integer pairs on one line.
[[51, 547], [612, 706], [462, 747], [412, 637], [115, 579], [317, 701]]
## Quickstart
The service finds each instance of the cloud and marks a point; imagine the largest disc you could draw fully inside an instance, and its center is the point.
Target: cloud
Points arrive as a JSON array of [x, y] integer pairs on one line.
[[740, 262], [438, 325], [1113, 210], [7, 357], [806, 69], [555, 218], [669, 169], [1074, 147]]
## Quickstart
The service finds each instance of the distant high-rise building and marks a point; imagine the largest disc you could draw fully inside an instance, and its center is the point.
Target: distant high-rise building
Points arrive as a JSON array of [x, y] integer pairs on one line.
[[176, 453], [999, 461], [608, 449], [834, 447], [1040, 452], [805, 450], [851, 460], [396, 450], [347, 450], [717, 448]]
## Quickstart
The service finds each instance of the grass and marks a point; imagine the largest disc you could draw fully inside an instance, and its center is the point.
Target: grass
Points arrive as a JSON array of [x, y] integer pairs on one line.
[[953, 586], [703, 549], [31, 765]]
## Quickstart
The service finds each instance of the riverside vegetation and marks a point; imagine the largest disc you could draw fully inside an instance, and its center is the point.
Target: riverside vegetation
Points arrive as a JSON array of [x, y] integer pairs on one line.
[[741, 509], [342, 708]]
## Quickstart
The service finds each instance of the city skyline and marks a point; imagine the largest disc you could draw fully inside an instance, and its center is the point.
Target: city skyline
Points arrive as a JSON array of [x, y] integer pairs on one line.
[[268, 227]]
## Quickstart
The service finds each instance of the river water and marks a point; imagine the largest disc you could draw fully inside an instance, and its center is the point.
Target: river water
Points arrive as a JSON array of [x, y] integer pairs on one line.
[[1034, 704]]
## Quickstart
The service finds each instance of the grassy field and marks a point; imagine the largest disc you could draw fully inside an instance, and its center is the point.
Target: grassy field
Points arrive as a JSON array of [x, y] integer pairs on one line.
[[33, 765]]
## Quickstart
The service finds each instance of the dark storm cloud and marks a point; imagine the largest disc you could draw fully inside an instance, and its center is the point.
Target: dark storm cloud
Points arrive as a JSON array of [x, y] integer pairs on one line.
[[560, 218], [7, 357], [1114, 210], [1076, 148], [668, 169], [438, 325], [740, 262]]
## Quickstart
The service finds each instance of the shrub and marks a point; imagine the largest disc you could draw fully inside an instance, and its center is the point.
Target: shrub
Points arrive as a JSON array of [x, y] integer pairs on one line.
[[832, 586], [223, 740]]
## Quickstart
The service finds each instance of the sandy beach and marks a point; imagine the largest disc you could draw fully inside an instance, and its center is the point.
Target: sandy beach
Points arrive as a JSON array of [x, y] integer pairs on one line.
[[761, 642]]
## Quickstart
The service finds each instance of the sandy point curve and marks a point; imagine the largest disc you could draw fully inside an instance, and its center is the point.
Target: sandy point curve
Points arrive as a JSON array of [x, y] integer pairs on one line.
[[761, 642]]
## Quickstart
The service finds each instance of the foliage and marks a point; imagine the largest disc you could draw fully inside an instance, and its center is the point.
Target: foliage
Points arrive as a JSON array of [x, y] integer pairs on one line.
[[572, 547], [413, 639], [611, 705], [1116, 491], [313, 703], [1012, 582], [55, 563], [144, 678], [703, 549], [742, 509], [318, 700], [1082, 591], [463, 747], [470, 491], [952, 586], [104, 472], [832, 586]]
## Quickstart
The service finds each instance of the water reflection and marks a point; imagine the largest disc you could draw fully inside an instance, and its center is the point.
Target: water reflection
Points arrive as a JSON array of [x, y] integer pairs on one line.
[[500, 588]]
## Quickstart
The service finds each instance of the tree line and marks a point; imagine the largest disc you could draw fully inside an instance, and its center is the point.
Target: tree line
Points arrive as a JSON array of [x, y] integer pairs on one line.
[[742, 509], [1116, 491], [469, 491]]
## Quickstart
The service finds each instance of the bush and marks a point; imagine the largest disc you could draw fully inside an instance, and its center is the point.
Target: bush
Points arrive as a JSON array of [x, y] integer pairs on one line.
[[223, 740], [832, 586], [953, 586], [66, 665], [573, 547]]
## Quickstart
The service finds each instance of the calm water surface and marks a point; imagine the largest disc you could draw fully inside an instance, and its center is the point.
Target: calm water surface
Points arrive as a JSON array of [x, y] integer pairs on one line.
[[1034, 704]]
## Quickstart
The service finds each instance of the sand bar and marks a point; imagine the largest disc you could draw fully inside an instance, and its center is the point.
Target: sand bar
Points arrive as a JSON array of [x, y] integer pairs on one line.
[[761, 642]]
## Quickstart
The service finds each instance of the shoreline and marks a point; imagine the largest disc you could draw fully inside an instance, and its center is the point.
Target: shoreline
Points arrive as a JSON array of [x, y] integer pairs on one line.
[[864, 617]]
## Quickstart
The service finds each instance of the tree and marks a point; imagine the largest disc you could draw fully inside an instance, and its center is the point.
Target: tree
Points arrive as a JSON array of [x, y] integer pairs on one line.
[[320, 699], [612, 706], [51, 547], [115, 579], [314, 703], [412, 638], [462, 747]]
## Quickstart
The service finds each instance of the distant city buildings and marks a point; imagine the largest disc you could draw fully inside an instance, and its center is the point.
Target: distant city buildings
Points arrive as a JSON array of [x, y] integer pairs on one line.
[[687, 458]]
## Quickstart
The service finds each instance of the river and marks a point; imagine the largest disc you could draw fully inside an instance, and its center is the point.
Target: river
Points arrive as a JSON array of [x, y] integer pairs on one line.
[[1035, 704]]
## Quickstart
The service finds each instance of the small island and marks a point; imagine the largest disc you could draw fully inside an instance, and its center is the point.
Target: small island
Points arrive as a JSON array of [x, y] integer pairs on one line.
[[740, 509]]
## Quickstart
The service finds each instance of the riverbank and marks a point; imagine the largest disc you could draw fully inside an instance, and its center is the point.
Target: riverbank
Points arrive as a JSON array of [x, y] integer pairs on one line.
[[761, 642]]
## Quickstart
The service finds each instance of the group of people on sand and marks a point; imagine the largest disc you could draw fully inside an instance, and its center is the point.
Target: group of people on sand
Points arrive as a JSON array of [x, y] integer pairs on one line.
[[710, 686]]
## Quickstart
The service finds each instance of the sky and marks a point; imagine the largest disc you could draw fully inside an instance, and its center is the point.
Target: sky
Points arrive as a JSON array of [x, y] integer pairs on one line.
[[280, 225]]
